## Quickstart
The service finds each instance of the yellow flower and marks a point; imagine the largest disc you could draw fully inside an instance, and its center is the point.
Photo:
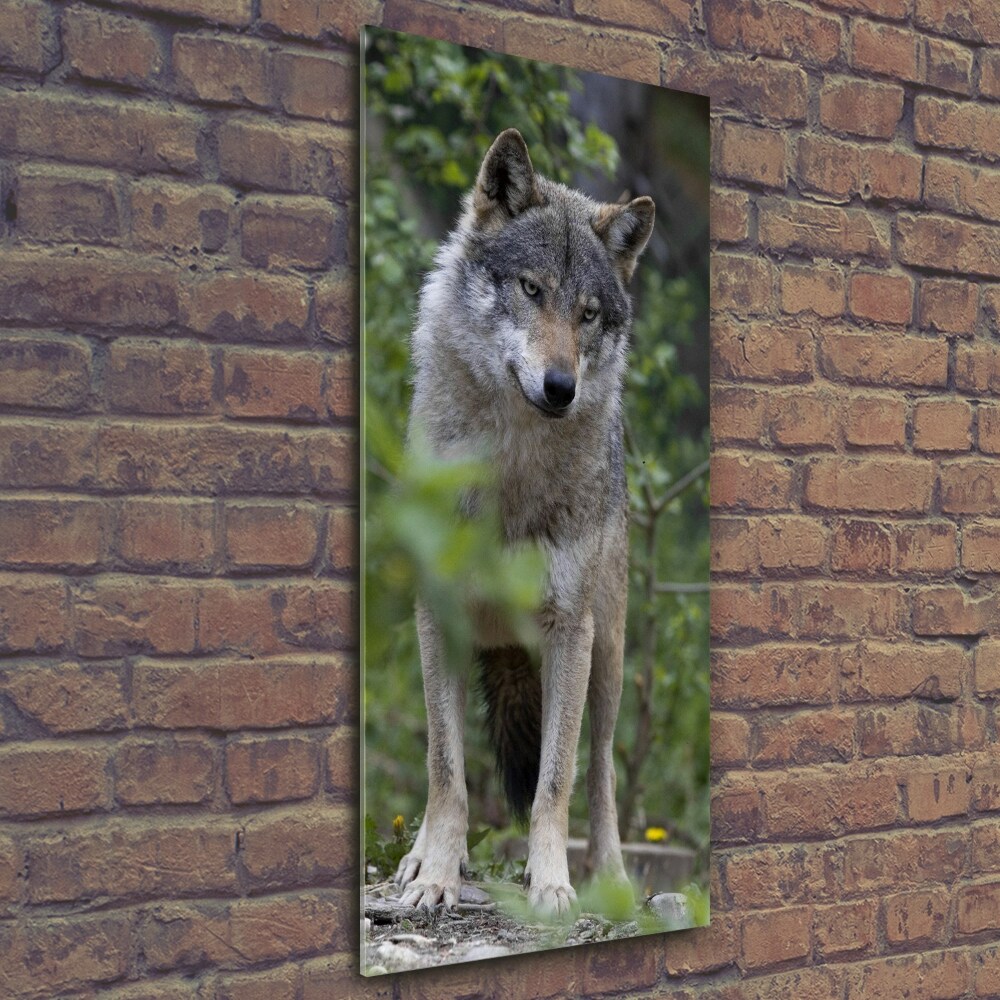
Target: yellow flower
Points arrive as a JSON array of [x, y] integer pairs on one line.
[[656, 834], [398, 826]]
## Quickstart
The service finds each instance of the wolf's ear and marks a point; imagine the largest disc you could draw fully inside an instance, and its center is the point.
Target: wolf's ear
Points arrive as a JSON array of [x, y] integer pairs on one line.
[[625, 230], [506, 185]]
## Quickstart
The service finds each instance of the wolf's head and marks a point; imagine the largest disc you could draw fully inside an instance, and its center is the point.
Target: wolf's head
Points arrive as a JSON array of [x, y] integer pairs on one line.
[[534, 285]]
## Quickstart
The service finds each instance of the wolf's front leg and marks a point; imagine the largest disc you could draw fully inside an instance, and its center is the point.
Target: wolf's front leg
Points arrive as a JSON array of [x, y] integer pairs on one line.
[[432, 872], [565, 668]]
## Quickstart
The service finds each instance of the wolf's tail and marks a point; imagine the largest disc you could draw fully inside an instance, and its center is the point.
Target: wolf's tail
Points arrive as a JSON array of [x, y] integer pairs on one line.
[[512, 690]]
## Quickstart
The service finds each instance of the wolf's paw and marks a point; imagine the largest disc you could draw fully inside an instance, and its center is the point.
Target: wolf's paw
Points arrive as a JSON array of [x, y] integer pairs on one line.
[[552, 901], [429, 881]]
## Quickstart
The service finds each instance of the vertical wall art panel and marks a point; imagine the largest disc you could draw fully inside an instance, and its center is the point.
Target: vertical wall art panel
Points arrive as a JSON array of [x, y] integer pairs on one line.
[[535, 508]]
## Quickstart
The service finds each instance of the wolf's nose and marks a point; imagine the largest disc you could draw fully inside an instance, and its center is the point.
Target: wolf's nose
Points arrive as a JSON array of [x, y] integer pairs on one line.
[[560, 388]]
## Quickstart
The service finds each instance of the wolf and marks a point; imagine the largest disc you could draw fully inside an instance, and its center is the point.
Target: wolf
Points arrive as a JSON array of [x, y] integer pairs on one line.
[[519, 353]]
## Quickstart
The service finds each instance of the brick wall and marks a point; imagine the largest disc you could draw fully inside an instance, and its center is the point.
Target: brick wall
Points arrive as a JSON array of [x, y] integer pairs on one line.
[[178, 693]]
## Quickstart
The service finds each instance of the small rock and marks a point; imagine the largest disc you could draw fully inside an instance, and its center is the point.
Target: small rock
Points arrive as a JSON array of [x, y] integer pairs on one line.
[[480, 951], [672, 908]]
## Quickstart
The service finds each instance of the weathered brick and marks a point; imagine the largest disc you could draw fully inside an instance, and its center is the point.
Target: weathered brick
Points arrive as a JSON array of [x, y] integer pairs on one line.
[[342, 539], [942, 425], [281, 232], [849, 610], [991, 309], [881, 298], [930, 547], [55, 204], [822, 230], [989, 73], [160, 377], [241, 307], [281, 983], [886, 49], [273, 384], [875, 421], [985, 786], [978, 908], [221, 69], [165, 772], [859, 107], [46, 371], [830, 167], [756, 155], [900, 859], [341, 754], [895, 10], [730, 739], [34, 613], [337, 306], [738, 480], [776, 936], [861, 547], [932, 795], [940, 974], [435, 19], [272, 770], [897, 485], [271, 535], [845, 928], [103, 46], [950, 611], [76, 780], [311, 85], [730, 215], [804, 737], [304, 158], [802, 421], [68, 697], [962, 188], [772, 675], [157, 533], [52, 533], [890, 174], [957, 125], [812, 289], [774, 29], [790, 543], [970, 488], [238, 694], [761, 610], [286, 848], [180, 218], [917, 918], [29, 38], [973, 20], [948, 66], [948, 306], [764, 350], [736, 814], [91, 130], [988, 667], [981, 547], [884, 359], [236, 13]]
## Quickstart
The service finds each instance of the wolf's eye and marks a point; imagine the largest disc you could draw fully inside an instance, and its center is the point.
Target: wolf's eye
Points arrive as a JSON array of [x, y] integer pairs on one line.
[[530, 288], [589, 315]]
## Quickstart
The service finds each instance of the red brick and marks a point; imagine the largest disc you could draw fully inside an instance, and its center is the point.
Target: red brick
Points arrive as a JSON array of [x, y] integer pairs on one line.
[[970, 488], [884, 359], [52, 532], [300, 158], [733, 546], [848, 610], [730, 739], [288, 848], [761, 351], [802, 421], [979, 908], [273, 984], [282, 232], [274, 384], [272, 770], [68, 697], [859, 107], [896, 10], [70, 206], [943, 974], [736, 814], [340, 386], [973, 20], [951, 611], [741, 612], [897, 485], [881, 298], [926, 548], [991, 308], [774, 29], [773, 875], [342, 540], [756, 155], [239, 694], [933, 795], [958, 125], [44, 371], [34, 613], [730, 215], [436, 19], [962, 188], [812, 289], [342, 765], [180, 218], [29, 39], [829, 167], [861, 547], [149, 376], [752, 482], [134, 859], [988, 667], [776, 936], [223, 69], [159, 533], [917, 918], [52, 955], [337, 306], [103, 46], [986, 970], [166, 772], [116, 615], [948, 306], [948, 66], [788, 543], [905, 729], [232, 12], [76, 780], [891, 174], [774, 90], [124, 135], [894, 860], [981, 547], [805, 737], [772, 676], [271, 535], [985, 787], [989, 429], [845, 928], [738, 414], [875, 670], [315, 86], [336, 18], [242, 307], [887, 50], [822, 230], [875, 421], [977, 368], [989, 73], [942, 425]]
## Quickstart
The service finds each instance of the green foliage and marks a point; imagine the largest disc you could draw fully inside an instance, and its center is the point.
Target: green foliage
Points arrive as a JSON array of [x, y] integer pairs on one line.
[[382, 856]]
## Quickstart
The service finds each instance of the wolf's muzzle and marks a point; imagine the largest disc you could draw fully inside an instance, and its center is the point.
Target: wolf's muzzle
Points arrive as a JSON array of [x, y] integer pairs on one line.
[[559, 388]]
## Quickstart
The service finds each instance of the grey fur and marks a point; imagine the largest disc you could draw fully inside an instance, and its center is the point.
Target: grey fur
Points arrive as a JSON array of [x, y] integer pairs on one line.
[[533, 279]]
